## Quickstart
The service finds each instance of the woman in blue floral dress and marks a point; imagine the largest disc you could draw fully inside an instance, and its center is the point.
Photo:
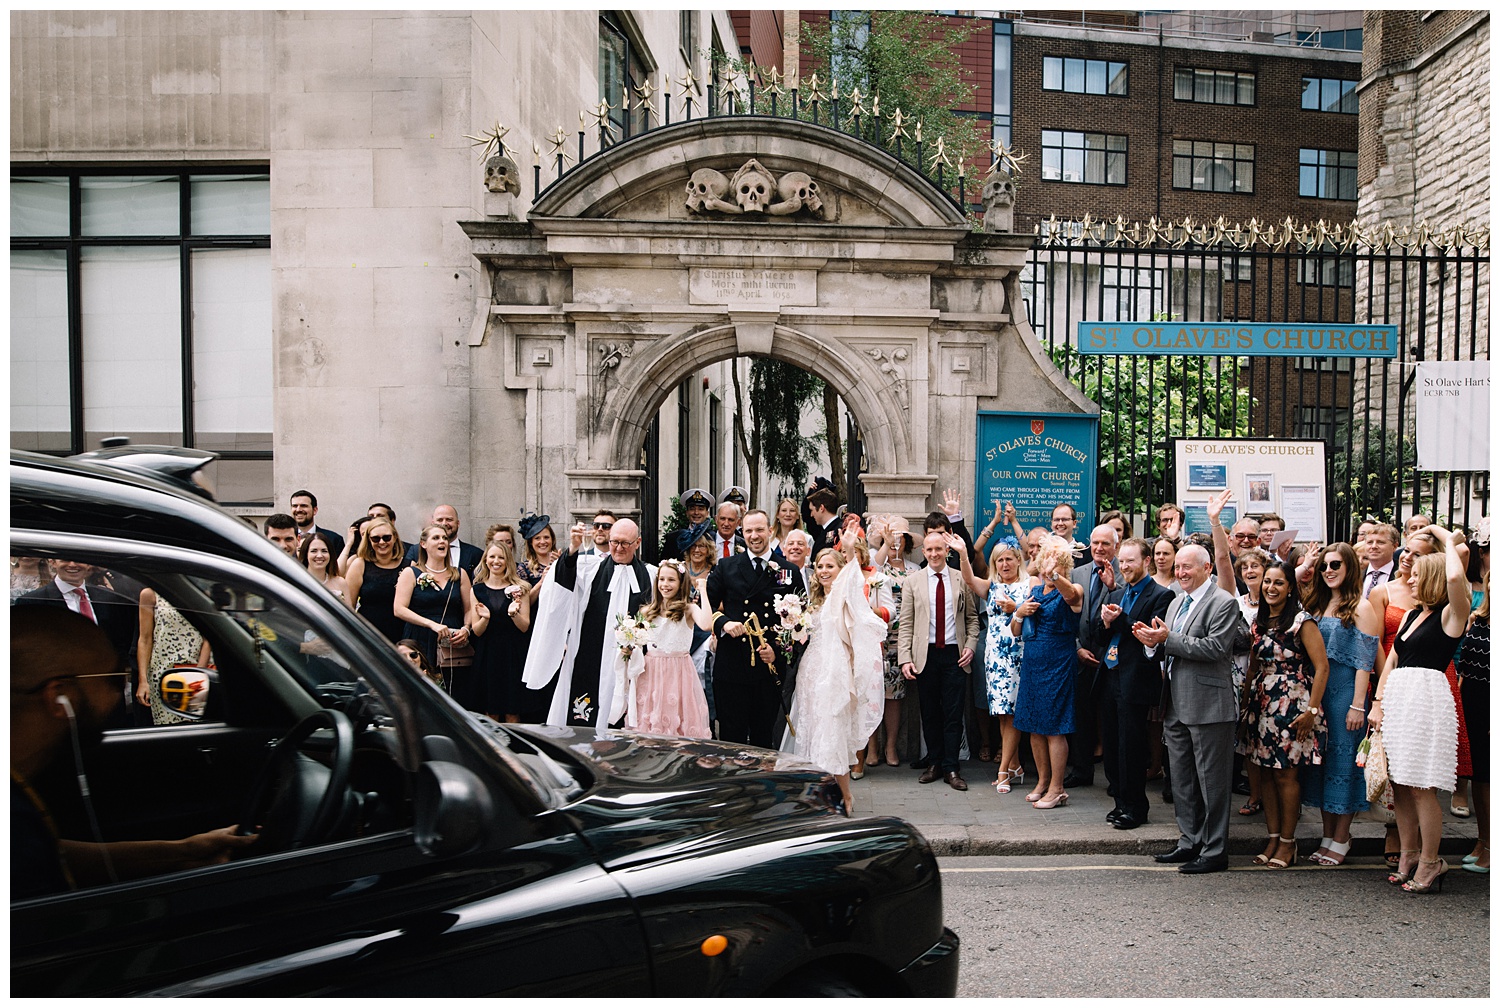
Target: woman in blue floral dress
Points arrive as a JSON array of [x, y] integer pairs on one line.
[[1279, 718], [1003, 593], [1351, 632]]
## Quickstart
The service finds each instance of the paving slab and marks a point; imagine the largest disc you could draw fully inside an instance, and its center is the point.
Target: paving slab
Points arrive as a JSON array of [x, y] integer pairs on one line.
[[980, 821]]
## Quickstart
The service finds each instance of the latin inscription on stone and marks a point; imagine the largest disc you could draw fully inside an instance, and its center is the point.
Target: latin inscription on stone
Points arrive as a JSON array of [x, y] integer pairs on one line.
[[712, 285]]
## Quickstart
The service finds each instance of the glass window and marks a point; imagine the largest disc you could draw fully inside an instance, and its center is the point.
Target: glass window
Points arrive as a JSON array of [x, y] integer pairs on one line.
[[1326, 271], [1213, 167], [41, 399], [39, 207], [231, 204], [130, 205], [171, 343], [1325, 94], [621, 71], [1098, 158], [1327, 174], [1085, 76], [132, 343], [1214, 87], [232, 356]]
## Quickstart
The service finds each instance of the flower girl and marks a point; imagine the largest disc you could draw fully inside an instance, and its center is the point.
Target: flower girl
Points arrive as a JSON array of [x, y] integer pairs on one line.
[[665, 695]]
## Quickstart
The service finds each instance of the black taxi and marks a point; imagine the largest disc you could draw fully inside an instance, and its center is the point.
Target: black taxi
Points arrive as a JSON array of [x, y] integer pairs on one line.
[[405, 846]]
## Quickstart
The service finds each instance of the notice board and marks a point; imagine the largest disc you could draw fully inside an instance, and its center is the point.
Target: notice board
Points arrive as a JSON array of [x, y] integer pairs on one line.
[[1036, 461], [1282, 475]]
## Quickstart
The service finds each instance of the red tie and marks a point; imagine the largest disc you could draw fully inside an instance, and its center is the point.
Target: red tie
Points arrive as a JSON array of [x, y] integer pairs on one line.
[[85, 607], [726, 547], [942, 613]]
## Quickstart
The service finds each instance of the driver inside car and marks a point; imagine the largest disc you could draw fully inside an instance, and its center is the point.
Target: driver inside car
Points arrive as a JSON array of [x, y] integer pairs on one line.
[[65, 689]]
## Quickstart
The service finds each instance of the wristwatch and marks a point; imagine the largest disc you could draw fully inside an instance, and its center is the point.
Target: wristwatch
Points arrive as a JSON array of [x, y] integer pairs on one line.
[[1314, 711]]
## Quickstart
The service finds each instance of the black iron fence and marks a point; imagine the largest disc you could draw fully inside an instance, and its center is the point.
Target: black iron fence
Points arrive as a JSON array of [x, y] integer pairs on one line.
[[1434, 286]]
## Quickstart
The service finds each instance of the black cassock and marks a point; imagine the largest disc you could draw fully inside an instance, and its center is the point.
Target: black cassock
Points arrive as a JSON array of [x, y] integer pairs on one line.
[[596, 632]]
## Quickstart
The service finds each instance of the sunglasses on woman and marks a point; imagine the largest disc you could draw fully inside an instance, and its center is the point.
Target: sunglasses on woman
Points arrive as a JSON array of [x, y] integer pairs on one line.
[[381, 538], [1332, 565]]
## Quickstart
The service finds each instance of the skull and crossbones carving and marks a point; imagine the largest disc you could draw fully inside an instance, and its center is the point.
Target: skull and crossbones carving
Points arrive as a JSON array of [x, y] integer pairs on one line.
[[502, 175], [753, 189]]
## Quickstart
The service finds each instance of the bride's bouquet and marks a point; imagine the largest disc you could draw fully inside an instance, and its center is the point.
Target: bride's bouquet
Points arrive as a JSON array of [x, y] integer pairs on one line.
[[794, 625], [632, 632]]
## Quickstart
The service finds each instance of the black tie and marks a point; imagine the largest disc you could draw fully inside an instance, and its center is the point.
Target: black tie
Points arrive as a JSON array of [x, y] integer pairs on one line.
[[760, 565]]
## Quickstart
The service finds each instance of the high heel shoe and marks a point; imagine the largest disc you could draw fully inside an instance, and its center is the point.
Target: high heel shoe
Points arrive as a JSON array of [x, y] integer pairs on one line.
[[1035, 796], [1002, 782], [1434, 884], [1057, 802], [1399, 877], [1277, 862], [1263, 857], [1018, 775], [1335, 849]]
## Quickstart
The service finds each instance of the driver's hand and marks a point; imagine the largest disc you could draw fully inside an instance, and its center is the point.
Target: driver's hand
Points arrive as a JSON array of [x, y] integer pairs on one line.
[[213, 847]]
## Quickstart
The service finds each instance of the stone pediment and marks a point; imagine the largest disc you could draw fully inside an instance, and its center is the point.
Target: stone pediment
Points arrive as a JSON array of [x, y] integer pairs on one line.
[[736, 170]]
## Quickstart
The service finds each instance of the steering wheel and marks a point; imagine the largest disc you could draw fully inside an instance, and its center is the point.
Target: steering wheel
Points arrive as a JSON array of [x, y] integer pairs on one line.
[[297, 801]]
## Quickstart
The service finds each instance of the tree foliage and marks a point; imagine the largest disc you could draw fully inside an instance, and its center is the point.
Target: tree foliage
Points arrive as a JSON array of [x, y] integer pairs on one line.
[[1367, 479], [910, 59], [1143, 401], [768, 421]]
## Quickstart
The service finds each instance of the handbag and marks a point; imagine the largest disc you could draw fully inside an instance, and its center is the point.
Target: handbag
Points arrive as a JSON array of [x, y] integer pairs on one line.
[[454, 656], [1377, 769]]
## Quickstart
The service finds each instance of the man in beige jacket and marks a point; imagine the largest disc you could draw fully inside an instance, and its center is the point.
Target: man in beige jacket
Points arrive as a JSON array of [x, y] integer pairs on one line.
[[935, 646]]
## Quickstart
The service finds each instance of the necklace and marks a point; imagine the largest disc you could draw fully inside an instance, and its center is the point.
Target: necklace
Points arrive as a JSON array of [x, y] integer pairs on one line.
[[440, 570]]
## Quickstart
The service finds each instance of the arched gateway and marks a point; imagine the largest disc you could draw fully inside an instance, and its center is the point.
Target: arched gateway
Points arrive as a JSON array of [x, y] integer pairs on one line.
[[747, 235]]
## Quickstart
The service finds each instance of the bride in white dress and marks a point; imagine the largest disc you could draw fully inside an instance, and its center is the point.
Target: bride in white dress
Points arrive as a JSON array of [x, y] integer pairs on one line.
[[840, 693]]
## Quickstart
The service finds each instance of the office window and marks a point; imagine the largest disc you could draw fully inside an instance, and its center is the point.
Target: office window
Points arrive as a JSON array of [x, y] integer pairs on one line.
[[1095, 158], [1215, 87], [687, 34], [622, 68], [1085, 76], [1327, 94], [1327, 365], [1001, 108], [151, 318], [1349, 38], [1237, 267], [1213, 167], [1326, 271], [1323, 422], [1327, 174]]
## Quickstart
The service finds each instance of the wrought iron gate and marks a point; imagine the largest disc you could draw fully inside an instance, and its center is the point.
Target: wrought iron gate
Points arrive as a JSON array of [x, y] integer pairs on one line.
[[1434, 286]]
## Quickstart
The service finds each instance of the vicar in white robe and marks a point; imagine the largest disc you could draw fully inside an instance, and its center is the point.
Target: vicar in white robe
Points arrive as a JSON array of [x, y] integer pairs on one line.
[[573, 630]]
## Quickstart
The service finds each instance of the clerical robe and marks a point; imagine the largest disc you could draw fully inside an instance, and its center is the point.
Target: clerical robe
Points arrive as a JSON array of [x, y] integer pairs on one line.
[[573, 636]]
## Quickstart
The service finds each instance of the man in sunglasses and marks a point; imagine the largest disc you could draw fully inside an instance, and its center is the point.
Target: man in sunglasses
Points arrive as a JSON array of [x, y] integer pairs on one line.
[[65, 687], [603, 522]]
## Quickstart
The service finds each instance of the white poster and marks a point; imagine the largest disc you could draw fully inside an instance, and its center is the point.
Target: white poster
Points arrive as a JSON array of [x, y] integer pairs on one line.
[[1453, 415], [1257, 470]]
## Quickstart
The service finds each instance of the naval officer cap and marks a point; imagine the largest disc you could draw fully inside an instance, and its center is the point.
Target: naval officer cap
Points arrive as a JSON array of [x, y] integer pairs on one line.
[[697, 498], [736, 495]]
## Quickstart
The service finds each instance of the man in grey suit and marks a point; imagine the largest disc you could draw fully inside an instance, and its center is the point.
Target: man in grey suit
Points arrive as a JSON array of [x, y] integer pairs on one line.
[[1097, 578], [1198, 726]]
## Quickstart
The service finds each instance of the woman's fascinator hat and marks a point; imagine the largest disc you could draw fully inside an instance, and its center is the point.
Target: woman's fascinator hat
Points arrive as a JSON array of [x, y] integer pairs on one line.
[[531, 524]]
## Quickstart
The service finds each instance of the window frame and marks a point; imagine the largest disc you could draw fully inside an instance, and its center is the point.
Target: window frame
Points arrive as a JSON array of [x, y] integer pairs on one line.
[[185, 241], [1347, 89], [1123, 152], [1217, 72], [1324, 171], [1108, 65], [1192, 156]]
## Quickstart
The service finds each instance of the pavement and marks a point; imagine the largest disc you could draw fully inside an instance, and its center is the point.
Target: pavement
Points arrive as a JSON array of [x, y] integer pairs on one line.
[[981, 822]]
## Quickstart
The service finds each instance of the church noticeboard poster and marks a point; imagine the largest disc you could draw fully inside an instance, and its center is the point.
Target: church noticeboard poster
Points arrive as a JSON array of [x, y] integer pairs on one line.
[[1453, 416], [1285, 476], [1036, 461]]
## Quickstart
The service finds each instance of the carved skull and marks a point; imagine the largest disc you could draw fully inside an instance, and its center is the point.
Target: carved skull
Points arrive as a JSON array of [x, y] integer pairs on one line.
[[999, 190], [502, 175], [705, 188], [799, 190], [753, 191]]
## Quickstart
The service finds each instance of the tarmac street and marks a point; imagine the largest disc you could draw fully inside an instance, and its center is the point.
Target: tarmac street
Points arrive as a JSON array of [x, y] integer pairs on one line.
[[1123, 926]]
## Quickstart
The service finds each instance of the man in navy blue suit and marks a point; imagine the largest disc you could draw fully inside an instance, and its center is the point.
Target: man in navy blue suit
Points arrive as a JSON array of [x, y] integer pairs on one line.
[[747, 671], [1129, 682]]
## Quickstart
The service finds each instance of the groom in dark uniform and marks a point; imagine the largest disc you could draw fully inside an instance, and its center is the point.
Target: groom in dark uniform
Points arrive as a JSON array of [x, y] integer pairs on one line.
[[747, 671], [574, 631]]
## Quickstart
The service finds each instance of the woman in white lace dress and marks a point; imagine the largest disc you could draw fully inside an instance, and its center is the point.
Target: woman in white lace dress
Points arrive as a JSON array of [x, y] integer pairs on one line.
[[840, 686]]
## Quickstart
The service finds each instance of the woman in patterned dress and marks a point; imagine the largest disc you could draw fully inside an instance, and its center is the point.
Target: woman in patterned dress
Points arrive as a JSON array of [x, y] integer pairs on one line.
[[894, 535], [166, 638], [1280, 713], [1351, 636], [1048, 621], [1003, 593]]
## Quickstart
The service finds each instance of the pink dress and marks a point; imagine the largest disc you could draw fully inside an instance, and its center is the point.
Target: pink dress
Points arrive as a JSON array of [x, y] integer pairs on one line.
[[666, 697]]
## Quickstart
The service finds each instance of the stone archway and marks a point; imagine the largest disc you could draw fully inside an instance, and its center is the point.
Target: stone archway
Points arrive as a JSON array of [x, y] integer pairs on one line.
[[635, 269]]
